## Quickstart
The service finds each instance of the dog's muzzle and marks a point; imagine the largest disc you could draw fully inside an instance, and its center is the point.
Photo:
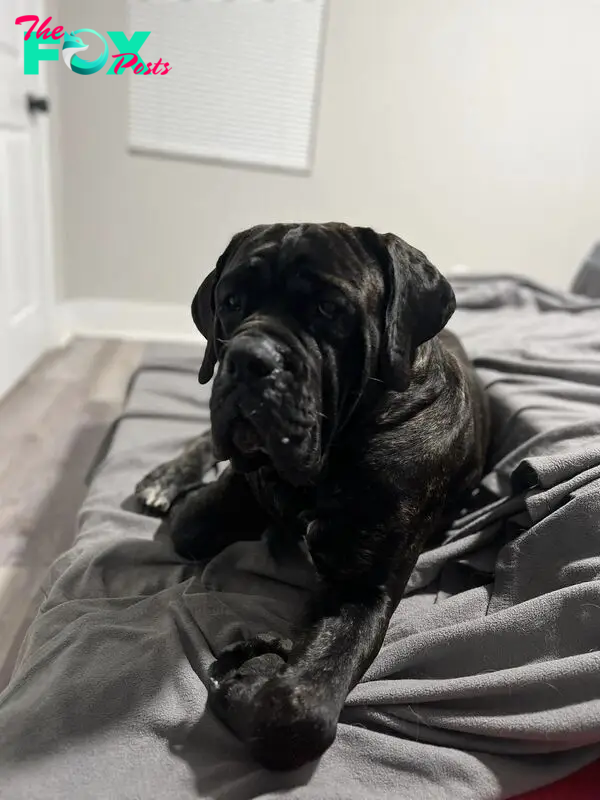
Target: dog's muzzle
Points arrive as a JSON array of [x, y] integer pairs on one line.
[[251, 362], [264, 409]]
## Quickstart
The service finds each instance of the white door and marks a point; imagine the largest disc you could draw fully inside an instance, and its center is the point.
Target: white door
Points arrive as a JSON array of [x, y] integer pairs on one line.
[[26, 282]]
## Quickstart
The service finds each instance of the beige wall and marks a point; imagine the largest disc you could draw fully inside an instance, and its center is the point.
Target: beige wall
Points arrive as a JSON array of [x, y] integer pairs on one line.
[[470, 128]]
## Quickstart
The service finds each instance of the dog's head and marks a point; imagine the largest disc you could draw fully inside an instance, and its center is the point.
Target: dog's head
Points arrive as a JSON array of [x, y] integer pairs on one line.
[[300, 318]]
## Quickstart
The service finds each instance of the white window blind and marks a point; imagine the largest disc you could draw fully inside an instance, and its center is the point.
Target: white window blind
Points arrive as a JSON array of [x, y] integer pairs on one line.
[[243, 84]]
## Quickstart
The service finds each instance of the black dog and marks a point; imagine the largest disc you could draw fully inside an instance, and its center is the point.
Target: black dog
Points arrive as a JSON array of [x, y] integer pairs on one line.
[[349, 424]]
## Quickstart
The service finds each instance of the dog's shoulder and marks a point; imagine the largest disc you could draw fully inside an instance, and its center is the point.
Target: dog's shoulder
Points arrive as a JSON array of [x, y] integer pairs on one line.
[[441, 413]]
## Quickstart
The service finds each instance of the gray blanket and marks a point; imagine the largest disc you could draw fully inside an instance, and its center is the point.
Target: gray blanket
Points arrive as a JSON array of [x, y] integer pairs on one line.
[[489, 679]]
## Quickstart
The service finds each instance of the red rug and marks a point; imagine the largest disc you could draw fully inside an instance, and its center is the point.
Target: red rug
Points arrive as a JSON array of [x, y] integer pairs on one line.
[[583, 785]]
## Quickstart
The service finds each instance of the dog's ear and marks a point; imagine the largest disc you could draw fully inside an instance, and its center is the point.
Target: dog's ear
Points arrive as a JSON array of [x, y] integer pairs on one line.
[[203, 314], [419, 303], [203, 305]]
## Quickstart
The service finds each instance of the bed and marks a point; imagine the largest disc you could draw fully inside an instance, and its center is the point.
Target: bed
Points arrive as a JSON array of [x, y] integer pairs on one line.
[[488, 683]]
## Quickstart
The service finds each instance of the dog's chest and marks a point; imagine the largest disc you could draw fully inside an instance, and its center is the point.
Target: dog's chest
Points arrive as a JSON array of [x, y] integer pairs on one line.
[[289, 506]]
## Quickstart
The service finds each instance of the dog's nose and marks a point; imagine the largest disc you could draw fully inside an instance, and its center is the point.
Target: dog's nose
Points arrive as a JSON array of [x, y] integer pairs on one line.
[[251, 358]]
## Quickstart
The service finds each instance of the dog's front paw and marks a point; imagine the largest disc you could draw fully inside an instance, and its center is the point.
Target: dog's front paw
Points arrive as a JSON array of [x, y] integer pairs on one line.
[[284, 724], [290, 724], [159, 489], [239, 674]]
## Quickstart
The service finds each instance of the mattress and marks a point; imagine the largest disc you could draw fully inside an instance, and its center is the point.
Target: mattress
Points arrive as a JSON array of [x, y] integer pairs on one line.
[[488, 682]]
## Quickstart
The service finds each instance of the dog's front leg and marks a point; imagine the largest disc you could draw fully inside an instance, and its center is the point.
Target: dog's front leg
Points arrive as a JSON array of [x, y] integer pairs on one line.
[[286, 704], [211, 517], [159, 489], [297, 712], [286, 707]]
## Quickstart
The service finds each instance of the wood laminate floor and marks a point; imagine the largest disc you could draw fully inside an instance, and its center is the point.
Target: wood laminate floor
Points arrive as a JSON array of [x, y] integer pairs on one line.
[[51, 425]]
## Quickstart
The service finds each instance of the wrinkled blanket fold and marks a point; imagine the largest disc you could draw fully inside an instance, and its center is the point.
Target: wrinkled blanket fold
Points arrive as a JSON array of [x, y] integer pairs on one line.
[[488, 682]]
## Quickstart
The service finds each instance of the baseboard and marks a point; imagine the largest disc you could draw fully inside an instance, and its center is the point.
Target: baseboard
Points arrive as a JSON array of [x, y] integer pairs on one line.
[[122, 319]]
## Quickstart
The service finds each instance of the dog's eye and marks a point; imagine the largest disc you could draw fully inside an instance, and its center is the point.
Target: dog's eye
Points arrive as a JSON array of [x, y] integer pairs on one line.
[[327, 308], [232, 303]]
